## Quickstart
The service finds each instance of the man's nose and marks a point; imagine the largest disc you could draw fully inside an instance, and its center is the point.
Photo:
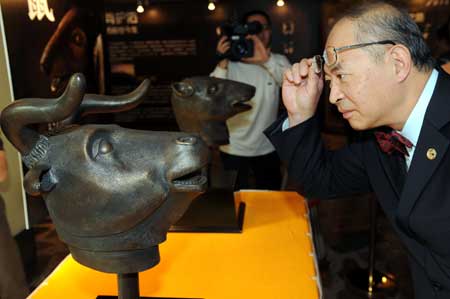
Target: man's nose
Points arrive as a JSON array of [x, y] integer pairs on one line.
[[336, 93]]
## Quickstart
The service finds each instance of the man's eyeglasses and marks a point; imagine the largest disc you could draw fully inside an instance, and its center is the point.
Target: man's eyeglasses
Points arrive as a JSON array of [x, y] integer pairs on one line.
[[330, 54]]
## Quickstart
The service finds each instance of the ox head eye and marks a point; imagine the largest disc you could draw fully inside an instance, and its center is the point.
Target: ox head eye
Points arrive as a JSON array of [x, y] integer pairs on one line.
[[78, 37], [213, 89], [104, 147], [183, 89], [101, 147]]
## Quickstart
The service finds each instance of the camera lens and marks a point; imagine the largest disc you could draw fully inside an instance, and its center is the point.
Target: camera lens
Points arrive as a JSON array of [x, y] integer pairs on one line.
[[240, 46]]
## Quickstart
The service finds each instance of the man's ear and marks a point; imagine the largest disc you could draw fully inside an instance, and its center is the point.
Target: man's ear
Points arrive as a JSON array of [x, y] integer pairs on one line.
[[183, 89], [402, 61]]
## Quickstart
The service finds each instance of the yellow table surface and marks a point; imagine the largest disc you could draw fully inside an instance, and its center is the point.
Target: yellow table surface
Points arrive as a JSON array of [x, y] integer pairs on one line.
[[272, 258]]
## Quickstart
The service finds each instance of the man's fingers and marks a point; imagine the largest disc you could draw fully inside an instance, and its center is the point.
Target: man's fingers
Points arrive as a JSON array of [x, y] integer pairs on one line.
[[288, 76], [296, 77], [222, 47], [299, 71], [314, 73], [254, 38], [305, 65], [223, 38], [225, 46], [303, 72]]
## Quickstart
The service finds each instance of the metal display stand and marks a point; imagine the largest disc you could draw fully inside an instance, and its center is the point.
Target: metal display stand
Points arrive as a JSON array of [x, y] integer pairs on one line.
[[369, 282], [215, 210], [129, 288]]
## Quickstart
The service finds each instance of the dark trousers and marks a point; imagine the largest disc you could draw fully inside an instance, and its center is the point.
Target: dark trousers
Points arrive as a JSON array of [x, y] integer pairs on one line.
[[12, 278], [259, 172]]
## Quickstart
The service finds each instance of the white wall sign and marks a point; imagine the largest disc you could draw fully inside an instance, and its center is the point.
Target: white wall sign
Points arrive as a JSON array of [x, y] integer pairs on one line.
[[39, 9]]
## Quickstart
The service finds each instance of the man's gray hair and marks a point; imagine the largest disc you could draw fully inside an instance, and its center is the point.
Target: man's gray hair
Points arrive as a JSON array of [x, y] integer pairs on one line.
[[379, 20]]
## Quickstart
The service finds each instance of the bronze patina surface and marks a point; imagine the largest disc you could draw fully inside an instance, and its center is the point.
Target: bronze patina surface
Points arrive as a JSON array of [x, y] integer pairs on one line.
[[203, 104]]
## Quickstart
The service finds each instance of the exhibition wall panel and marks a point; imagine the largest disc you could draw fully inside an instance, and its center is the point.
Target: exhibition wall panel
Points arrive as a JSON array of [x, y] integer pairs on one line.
[[11, 190]]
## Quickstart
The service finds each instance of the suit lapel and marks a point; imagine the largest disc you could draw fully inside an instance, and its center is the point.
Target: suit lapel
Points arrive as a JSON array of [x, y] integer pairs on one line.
[[422, 166], [390, 163]]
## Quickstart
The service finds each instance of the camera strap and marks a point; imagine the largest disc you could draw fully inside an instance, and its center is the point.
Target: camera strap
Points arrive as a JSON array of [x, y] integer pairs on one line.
[[220, 56], [270, 74]]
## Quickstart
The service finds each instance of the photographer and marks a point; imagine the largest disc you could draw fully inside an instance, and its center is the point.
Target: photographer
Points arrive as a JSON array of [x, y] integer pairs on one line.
[[249, 150]]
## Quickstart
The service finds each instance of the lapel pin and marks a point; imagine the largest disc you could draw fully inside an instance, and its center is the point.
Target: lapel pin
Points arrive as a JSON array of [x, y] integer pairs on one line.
[[431, 154]]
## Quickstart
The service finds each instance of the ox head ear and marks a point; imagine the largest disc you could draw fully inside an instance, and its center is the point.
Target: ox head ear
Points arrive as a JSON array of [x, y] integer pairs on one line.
[[183, 89], [39, 179]]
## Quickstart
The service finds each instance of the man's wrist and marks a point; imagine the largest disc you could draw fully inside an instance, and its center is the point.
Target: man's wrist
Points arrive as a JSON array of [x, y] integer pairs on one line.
[[223, 64], [297, 118]]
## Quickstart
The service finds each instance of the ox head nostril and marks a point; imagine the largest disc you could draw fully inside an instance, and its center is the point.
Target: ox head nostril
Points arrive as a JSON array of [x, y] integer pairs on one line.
[[187, 140]]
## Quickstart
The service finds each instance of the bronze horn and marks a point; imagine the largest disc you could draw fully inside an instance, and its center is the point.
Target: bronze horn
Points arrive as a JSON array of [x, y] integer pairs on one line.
[[94, 103], [19, 114]]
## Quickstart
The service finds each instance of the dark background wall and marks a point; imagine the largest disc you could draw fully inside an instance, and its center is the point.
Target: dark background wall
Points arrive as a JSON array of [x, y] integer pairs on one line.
[[171, 40], [187, 32], [26, 39]]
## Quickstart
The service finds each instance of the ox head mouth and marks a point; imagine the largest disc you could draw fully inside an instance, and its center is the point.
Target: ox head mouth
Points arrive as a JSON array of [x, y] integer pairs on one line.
[[244, 93], [194, 180], [240, 106]]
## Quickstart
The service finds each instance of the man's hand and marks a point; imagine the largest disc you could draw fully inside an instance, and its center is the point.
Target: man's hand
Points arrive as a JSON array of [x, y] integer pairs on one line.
[[260, 55], [222, 47], [301, 91]]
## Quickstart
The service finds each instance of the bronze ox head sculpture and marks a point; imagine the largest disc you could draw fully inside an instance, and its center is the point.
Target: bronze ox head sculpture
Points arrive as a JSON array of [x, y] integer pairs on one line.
[[203, 104], [111, 192]]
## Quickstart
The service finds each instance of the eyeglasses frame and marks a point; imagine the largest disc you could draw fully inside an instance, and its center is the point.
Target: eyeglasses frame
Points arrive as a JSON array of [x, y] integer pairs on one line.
[[355, 46]]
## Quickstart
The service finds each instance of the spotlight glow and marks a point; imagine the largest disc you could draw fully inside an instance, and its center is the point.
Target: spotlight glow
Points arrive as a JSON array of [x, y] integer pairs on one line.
[[140, 8], [280, 3], [211, 6]]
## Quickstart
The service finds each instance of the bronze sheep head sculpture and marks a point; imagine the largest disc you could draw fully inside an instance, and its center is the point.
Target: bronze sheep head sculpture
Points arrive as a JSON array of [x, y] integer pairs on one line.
[[203, 104], [111, 192]]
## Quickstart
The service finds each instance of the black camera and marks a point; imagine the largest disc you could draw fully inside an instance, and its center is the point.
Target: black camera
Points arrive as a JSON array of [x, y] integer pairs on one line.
[[240, 46]]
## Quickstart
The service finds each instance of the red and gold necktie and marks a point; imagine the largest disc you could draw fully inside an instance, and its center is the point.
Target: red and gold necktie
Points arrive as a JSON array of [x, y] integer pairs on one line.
[[393, 141]]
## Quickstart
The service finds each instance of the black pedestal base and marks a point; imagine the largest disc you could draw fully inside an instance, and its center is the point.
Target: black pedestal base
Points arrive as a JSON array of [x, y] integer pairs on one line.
[[128, 285], [213, 211]]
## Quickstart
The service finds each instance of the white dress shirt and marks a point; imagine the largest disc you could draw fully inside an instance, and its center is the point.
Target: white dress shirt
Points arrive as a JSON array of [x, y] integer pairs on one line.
[[413, 124]]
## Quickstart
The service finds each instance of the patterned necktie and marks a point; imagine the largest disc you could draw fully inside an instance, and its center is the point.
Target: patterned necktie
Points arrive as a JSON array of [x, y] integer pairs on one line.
[[393, 141]]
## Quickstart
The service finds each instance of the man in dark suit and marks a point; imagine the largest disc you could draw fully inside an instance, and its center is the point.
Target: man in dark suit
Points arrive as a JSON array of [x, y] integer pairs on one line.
[[382, 80]]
